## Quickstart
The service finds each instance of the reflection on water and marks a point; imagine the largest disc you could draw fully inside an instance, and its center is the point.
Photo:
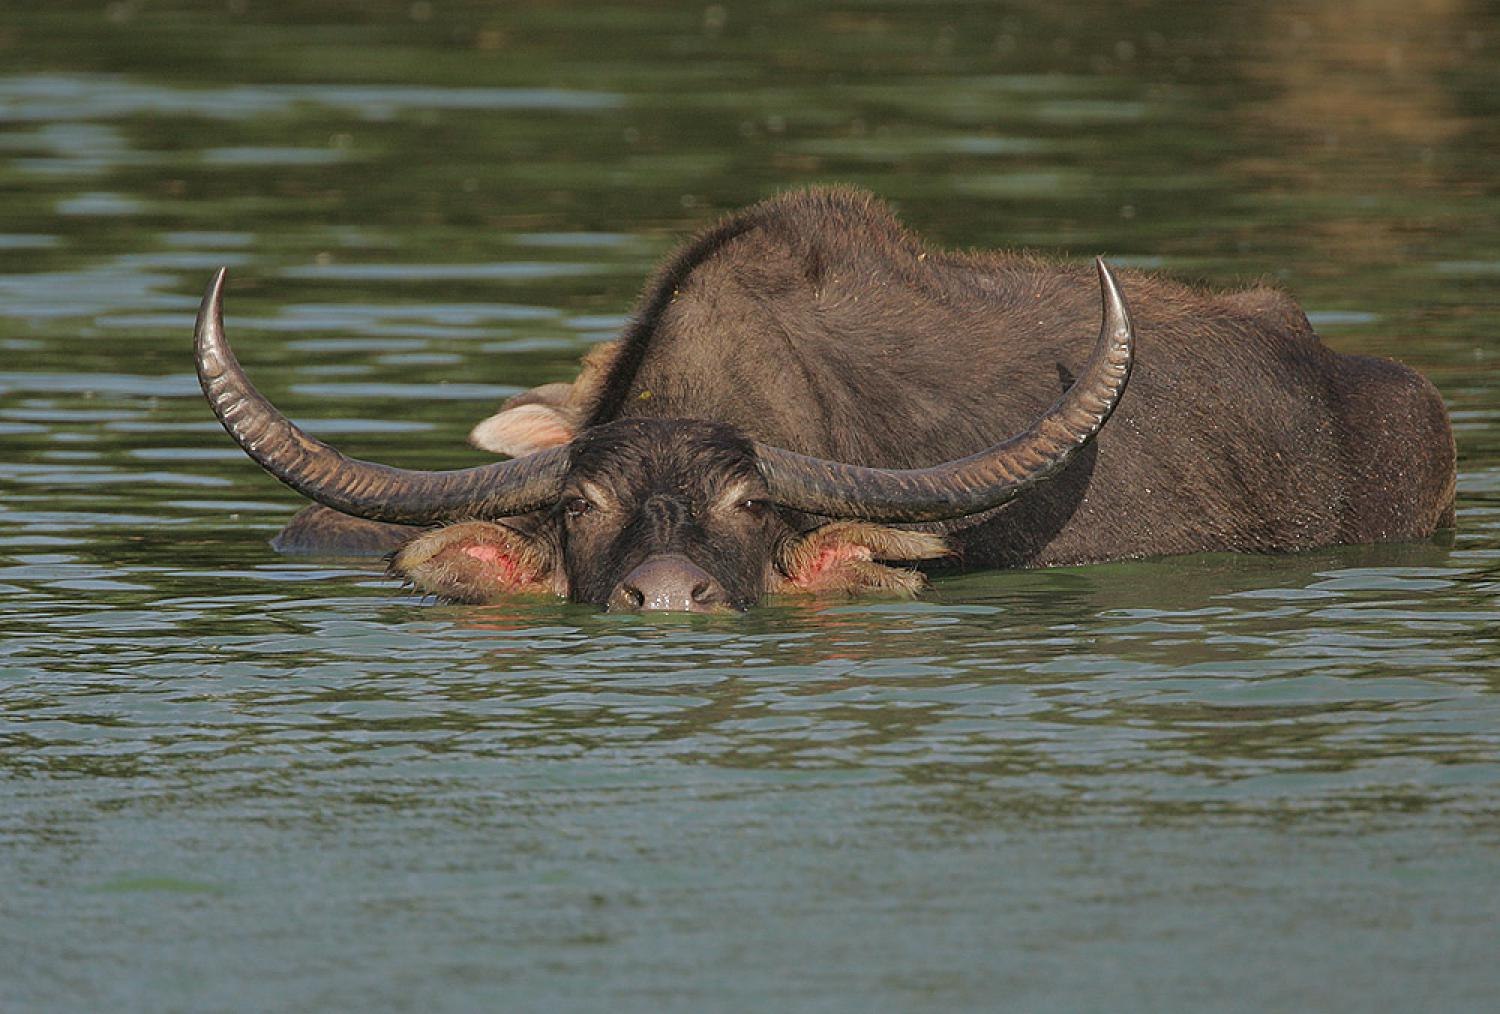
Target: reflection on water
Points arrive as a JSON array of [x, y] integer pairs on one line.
[[59, 100], [1185, 781]]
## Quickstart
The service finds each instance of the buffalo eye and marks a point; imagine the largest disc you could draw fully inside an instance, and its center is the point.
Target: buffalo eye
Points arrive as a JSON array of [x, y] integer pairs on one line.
[[755, 508], [577, 506]]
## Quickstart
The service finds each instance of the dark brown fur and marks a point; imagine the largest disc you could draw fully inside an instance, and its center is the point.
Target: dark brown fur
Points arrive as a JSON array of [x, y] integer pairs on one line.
[[816, 322], [653, 488]]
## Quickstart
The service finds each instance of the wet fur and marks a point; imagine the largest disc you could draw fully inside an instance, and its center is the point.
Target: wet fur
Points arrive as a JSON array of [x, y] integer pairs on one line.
[[658, 487], [839, 559], [479, 561]]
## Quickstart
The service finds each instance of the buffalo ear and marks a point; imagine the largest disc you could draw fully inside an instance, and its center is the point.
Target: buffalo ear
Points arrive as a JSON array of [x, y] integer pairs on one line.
[[524, 429], [479, 562], [840, 558], [550, 415]]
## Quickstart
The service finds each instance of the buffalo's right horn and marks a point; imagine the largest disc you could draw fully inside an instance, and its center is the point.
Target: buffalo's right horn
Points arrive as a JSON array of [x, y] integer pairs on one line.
[[981, 481], [361, 488]]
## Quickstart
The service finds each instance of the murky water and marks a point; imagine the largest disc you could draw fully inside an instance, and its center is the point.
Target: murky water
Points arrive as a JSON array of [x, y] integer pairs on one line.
[[238, 781]]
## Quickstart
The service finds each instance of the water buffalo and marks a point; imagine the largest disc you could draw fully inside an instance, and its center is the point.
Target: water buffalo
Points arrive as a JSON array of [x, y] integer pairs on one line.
[[808, 393]]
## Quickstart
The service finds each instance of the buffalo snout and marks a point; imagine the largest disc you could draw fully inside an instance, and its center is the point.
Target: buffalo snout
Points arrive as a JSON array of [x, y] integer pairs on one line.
[[670, 583]]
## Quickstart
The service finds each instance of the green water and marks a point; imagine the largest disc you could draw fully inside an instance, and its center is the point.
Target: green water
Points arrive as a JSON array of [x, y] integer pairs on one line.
[[233, 781]]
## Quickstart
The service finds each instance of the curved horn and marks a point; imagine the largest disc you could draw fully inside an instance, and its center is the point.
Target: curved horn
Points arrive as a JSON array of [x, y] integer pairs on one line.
[[981, 481], [361, 488]]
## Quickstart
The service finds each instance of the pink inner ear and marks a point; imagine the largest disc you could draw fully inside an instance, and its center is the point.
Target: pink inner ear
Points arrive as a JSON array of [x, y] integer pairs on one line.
[[508, 572], [522, 430], [827, 562]]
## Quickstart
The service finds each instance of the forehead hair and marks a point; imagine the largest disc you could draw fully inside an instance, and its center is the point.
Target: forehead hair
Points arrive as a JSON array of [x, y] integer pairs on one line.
[[637, 457]]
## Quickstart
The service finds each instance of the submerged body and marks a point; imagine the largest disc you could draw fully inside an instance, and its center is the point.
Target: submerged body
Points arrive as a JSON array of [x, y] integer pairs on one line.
[[815, 323]]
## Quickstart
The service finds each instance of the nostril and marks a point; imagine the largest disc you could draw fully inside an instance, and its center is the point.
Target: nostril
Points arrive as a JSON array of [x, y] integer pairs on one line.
[[669, 583], [626, 598]]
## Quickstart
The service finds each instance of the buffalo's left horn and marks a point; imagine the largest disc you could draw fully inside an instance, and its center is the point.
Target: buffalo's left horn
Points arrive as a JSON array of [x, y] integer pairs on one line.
[[361, 488], [981, 481]]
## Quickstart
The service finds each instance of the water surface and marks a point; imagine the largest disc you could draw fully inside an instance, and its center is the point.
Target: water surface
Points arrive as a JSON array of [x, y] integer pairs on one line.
[[234, 781]]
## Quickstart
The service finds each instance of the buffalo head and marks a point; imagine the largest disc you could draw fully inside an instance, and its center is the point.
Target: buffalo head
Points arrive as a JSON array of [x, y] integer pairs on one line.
[[673, 514]]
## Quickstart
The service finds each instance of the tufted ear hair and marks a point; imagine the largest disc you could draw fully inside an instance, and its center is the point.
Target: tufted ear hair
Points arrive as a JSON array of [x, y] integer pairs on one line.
[[480, 562], [842, 558]]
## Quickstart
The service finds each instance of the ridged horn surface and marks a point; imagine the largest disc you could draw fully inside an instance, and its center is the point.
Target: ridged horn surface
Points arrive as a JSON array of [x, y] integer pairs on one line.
[[363, 489]]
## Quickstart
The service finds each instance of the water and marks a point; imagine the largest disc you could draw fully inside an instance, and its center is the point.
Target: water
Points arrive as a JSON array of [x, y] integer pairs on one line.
[[233, 781]]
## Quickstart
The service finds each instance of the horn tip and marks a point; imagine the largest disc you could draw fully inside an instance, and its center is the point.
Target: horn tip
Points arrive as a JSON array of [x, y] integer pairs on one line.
[[208, 330], [214, 294], [1117, 317]]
